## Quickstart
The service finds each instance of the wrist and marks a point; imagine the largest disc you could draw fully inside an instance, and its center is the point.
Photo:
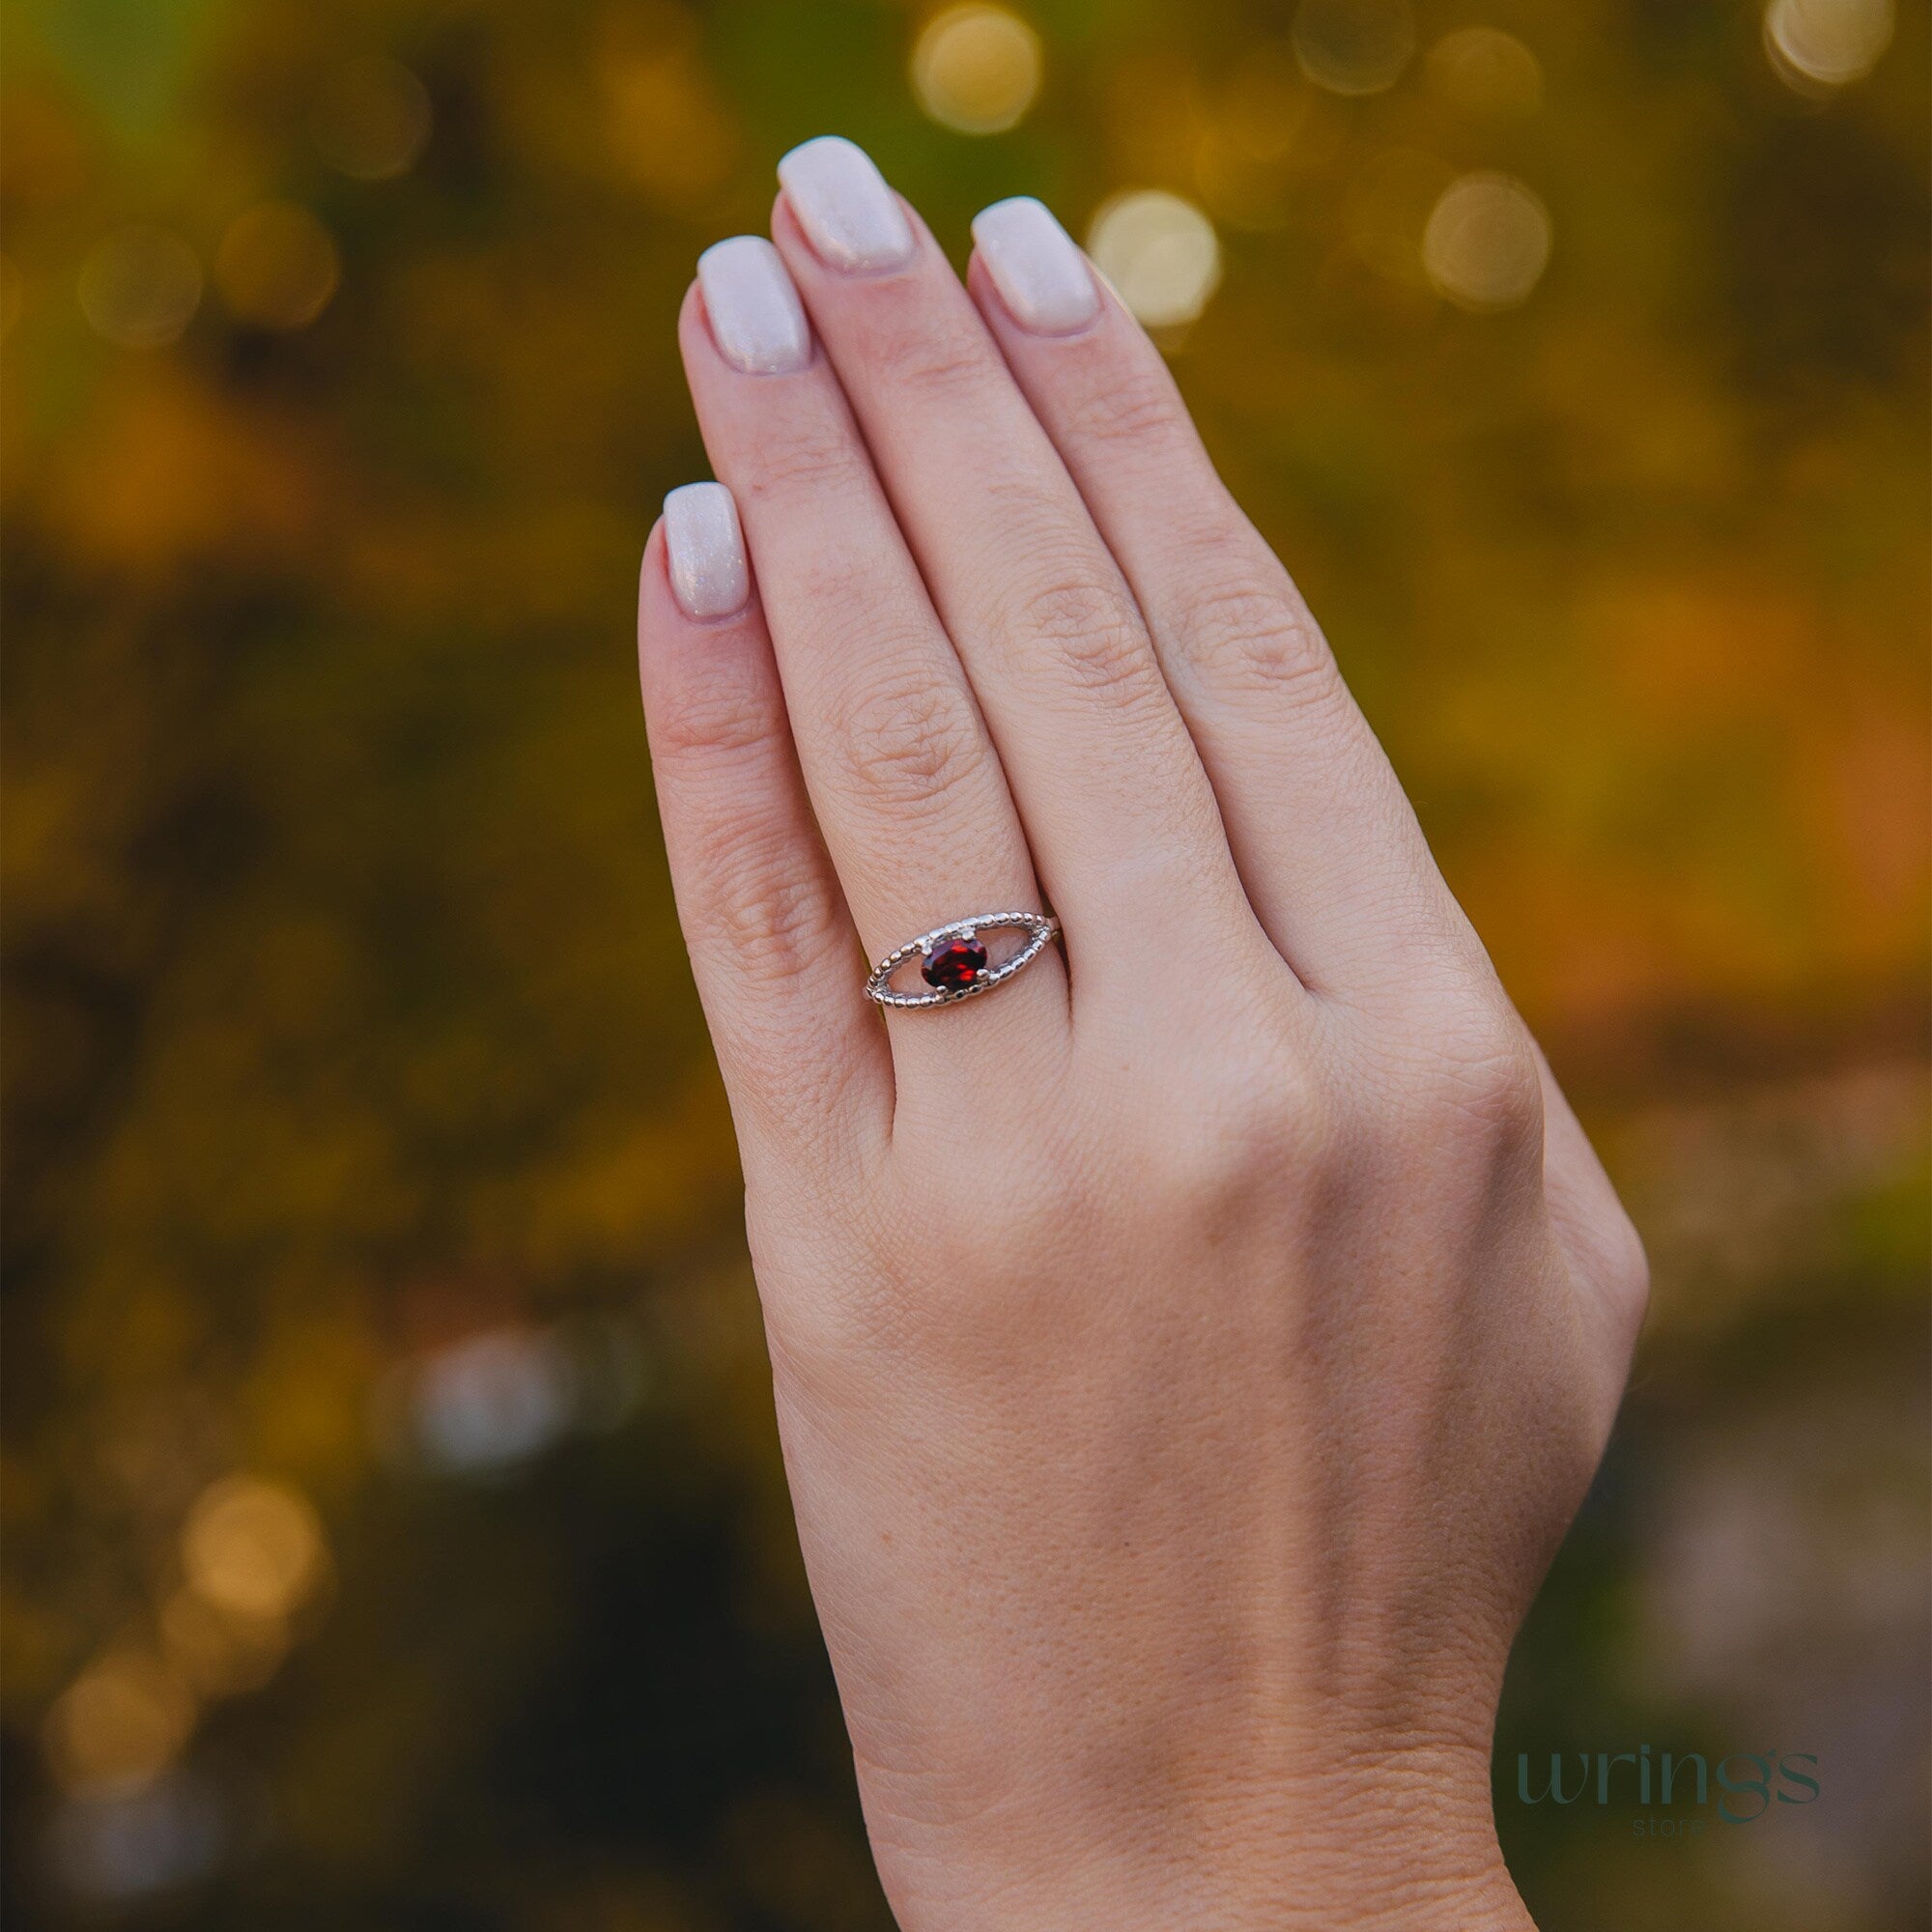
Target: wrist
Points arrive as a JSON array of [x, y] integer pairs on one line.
[[1406, 1840]]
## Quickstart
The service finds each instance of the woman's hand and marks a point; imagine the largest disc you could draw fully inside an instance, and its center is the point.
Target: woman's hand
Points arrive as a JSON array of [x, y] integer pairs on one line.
[[1188, 1354]]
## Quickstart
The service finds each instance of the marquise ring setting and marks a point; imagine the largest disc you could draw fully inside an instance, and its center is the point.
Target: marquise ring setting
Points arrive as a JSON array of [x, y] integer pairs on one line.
[[955, 962]]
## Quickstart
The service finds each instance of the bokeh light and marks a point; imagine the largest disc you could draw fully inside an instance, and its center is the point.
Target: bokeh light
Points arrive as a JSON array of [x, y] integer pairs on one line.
[[665, 123], [1160, 252], [481, 1404], [1485, 73], [277, 266], [372, 118], [977, 69], [1263, 103], [1249, 139], [1819, 46], [108, 1848], [253, 1548], [1487, 243], [492, 1399], [120, 1724], [1355, 46], [140, 286], [220, 1652]]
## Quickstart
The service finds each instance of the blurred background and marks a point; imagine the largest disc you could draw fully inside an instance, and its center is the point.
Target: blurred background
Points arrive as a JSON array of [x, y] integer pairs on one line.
[[394, 1531]]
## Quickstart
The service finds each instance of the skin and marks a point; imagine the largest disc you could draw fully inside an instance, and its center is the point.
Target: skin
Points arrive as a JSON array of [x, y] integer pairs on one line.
[[1189, 1355]]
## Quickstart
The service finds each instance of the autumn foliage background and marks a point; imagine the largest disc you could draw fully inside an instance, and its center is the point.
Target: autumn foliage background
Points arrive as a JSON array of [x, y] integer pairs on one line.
[[394, 1535]]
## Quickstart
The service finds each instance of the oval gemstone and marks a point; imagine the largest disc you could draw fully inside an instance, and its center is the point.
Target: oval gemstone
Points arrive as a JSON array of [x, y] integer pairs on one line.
[[953, 964]]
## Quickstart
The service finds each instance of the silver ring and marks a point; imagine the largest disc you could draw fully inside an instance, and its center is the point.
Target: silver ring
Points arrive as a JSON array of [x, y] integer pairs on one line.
[[954, 962]]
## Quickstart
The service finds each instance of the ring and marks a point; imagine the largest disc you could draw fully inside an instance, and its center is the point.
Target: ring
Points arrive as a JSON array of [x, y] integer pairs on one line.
[[953, 960]]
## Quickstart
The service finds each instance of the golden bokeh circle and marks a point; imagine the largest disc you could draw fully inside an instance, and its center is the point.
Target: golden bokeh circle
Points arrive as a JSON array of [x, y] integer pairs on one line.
[[116, 1725], [1160, 252], [1353, 46], [977, 69], [253, 1548], [1485, 73], [1817, 47], [277, 266], [139, 286], [372, 118], [1487, 243]]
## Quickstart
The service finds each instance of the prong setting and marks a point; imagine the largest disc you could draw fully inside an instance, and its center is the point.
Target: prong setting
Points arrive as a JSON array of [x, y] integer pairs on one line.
[[947, 952]]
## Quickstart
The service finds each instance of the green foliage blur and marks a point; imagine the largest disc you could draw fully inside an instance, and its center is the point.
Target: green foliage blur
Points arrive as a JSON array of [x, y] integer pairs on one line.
[[394, 1530]]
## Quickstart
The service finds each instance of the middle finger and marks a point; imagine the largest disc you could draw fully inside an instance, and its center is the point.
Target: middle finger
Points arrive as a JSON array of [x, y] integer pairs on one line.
[[1120, 815]]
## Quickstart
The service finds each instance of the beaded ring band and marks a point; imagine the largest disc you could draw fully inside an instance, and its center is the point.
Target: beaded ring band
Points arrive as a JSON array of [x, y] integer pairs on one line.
[[954, 961]]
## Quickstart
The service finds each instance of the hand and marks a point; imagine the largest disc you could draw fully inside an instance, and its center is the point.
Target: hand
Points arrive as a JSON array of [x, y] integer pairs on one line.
[[1189, 1355]]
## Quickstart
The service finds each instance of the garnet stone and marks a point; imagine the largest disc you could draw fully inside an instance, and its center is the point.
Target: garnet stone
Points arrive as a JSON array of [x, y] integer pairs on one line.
[[955, 964]]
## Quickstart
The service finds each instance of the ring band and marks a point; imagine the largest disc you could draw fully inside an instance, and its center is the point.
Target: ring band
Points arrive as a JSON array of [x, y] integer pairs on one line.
[[954, 961]]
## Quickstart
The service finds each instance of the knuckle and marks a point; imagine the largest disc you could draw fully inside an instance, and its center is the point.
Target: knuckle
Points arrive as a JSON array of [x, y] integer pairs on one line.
[[839, 593], [1228, 1128], [799, 452], [828, 1344], [938, 362], [1626, 1270], [1091, 635], [1135, 407], [1251, 634], [1244, 1138], [770, 914], [910, 742], [1483, 1075], [710, 720]]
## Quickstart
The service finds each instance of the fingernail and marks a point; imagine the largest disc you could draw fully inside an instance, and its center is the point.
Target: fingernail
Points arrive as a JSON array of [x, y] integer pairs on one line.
[[850, 217], [1042, 279], [757, 319], [706, 550]]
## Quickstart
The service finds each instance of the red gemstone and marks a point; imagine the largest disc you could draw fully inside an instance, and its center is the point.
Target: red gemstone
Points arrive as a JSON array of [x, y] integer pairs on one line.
[[955, 964]]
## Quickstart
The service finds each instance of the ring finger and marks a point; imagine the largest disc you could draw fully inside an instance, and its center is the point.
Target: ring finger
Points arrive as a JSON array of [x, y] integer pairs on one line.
[[902, 775]]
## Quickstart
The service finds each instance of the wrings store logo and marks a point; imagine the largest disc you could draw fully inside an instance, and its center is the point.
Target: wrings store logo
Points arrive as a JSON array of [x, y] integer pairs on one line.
[[1745, 1786]]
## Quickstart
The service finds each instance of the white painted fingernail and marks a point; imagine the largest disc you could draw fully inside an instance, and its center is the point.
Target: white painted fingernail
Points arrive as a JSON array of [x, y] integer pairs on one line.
[[705, 551], [1042, 279], [756, 318], [850, 217]]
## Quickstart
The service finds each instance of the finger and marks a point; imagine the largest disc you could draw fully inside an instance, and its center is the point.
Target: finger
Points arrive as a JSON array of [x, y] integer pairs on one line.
[[1121, 819], [1324, 837], [772, 945], [902, 776]]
